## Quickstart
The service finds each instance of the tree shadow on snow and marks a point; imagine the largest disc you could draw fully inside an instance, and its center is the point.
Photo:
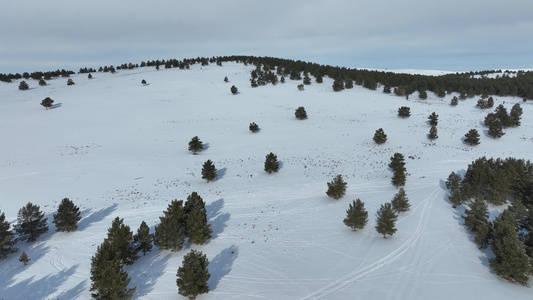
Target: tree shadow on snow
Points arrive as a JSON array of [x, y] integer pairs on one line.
[[95, 217], [220, 174], [147, 270], [221, 265], [58, 105], [217, 219]]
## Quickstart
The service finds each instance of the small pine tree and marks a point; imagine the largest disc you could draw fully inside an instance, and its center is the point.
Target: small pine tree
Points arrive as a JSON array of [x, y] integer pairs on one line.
[[338, 85], [121, 237], [472, 137], [397, 162], [356, 215], [300, 113], [143, 239], [209, 172], [477, 214], [336, 188], [453, 181], [306, 80], [380, 137], [195, 145], [7, 238], [422, 94], [348, 83], [496, 129], [143, 82], [386, 220], [404, 112], [271, 163], [31, 222], [300, 87], [432, 135], [193, 275], [42, 82], [253, 127], [454, 101], [67, 217], [433, 119], [234, 90], [24, 258], [23, 85], [90, 76], [282, 79], [226, 79], [47, 102], [170, 232], [455, 197], [70, 82], [400, 202]]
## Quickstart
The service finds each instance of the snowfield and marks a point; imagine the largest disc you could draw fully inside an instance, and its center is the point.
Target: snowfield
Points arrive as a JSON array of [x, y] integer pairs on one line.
[[118, 148]]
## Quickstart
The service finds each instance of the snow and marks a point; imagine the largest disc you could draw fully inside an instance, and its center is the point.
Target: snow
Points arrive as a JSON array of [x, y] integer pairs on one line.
[[118, 148]]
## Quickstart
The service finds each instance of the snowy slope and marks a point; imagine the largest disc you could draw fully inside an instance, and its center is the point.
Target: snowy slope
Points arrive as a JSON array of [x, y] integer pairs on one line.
[[118, 148]]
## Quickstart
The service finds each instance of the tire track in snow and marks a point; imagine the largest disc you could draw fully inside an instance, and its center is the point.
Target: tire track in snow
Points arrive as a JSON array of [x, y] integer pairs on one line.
[[352, 277]]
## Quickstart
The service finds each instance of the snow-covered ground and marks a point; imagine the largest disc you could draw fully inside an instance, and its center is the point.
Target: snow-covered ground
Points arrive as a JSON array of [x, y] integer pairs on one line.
[[118, 148]]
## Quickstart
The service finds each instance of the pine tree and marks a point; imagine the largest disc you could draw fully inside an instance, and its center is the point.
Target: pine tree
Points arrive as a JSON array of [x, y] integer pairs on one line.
[[510, 261], [422, 94], [433, 119], [338, 85], [31, 222], [47, 102], [336, 188], [433, 133], [453, 181], [121, 237], [386, 220], [515, 116], [209, 172], [193, 275], [454, 101], [501, 114], [306, 80], [195, 145], [356, 215], [42, 82], [23, 85], [380, 137], [397, 162], [226, 79], [472, 137], [234, 90], [477, 214], [455, 197], [143, 82], [170, 232], [300, 113], [254, 127], [24, 258], [271, 163], [196, 227], [400, 202], [399, 178], [496, 129], [404, 112], [7, 238], [348, 83], [142, 241], [483, 234], [70, 82], [109, 281], [67, 217]]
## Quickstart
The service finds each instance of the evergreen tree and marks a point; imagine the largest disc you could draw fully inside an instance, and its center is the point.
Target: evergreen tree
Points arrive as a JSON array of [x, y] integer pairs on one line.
[[496, 129], [300, 113], [380, 137], [23, 85], [433, 119], [472, 137], [90, 76], [338, 85], [399, 178], [109, 281], [47, 102], [121, 237], [454, 101], [234, 90], [453, 181], [195, 145], [300, 87], [433, 133], [404, 112], [143, 82], [510, 261], [142, 241], [226, 79], [483, 234], [7, 238], [307, 80], [397, 162], [70, 82], [400, 202], [196, 227], [271, 163], [356, 215], [42, 82], [455, 197], [422, 94], [336, 188], [170, 232], [319, 78], [348, 83], [386, 220], [477, 214], [209, 172], [193, 275], [501, 114], [24, 258], [282, 79], [31, 222], [254, 127], [67, 217], [194, 201], [515, 116]]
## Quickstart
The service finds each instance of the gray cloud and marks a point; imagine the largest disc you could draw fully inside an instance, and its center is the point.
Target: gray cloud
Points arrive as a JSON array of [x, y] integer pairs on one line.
[[454, 34]]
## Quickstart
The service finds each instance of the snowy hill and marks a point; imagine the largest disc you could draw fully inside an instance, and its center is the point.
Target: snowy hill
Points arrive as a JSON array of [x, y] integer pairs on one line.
[[118, 148]]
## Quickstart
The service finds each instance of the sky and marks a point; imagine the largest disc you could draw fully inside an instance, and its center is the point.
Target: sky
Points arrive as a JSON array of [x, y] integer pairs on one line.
[[453, 35]]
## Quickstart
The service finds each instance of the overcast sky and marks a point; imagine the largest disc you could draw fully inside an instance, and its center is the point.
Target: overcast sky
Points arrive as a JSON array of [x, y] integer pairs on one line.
[[452, 35]]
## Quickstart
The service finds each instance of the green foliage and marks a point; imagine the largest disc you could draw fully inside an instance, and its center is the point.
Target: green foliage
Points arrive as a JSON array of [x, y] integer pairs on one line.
[[453, 181], [300, 113], [67, 217], [23, 86], [234, 90], [24, 258], [356, 215], [399, 91], [193, 275], [120, 237], [482, 235], [338, 85], [433, 119], [307, 80], [271, 163], [477, 214], [226, 79], [386, 220], [515, 116], [70, 82], [195, 145], [397, 164], [472, 137], [209, 172], [348, 83], [170, 232], [400, 202], [7, 238], [510, 261], [143, 82], [47, 102], [42, 82], [482, 103], [254, 127], [496, 129], [142, 241], [454, 101], [300, 87], [336, 188], [433, 133], [422, 94], [404, 112], [380, 137], [31, 222], [196, 227], [455, 197]]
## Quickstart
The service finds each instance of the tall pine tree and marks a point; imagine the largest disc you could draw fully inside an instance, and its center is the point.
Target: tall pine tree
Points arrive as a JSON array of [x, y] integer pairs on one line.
[[477, 214], [197, 229], [356, 215], [193, 275], [67, 217], [143, 239], [336, 188], [7, 238], [386, 220], [121, 237], [209, 172], [400, 202], [31, 222], [170, 232]]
